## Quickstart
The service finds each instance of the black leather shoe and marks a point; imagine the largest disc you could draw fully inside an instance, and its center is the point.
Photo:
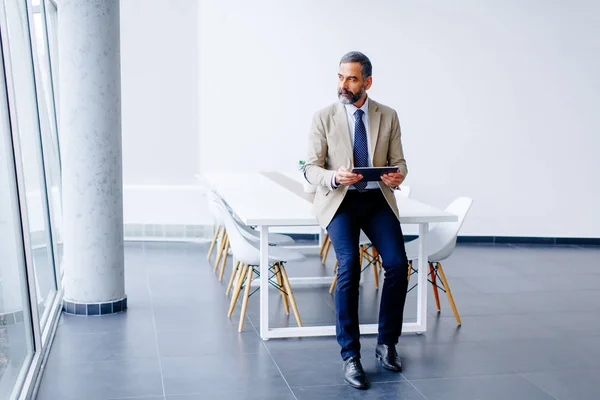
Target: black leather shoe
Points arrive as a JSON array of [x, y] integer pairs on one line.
[[354, 374], [388, 356]]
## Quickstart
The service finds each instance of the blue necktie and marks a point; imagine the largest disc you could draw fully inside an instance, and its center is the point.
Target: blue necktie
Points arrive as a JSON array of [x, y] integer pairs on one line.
[[361, 148]]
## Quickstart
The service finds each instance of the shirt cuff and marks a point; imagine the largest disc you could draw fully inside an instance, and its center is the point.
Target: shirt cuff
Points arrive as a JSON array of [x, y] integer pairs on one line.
[[333, 184]]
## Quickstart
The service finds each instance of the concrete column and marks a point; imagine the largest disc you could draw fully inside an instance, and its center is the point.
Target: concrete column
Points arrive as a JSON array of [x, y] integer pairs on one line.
[[90, 123]]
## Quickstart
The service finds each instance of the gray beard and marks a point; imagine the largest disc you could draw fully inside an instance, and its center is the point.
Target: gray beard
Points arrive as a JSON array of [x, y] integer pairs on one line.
[[351, 100], [345, 100]]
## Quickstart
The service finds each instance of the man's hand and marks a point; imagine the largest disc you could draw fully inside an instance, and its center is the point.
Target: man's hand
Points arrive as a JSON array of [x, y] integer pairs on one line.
[[393, 179], [343, 176]]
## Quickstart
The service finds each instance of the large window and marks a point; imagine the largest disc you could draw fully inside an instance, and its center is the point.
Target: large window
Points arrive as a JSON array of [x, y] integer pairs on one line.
[[30, 195], [16, 337]]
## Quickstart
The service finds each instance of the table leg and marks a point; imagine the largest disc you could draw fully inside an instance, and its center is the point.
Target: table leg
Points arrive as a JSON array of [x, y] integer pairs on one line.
[[264, 282], [422, 278]]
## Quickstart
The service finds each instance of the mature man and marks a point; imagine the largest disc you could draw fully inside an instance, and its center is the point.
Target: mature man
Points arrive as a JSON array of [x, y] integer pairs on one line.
[[358, 132]]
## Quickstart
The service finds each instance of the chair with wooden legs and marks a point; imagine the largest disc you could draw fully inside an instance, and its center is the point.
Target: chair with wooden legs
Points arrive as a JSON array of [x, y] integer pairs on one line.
[[222, 239], [247, 257], [441, 242]]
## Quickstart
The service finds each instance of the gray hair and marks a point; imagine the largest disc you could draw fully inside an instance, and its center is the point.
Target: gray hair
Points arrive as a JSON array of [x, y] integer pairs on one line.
[[357, 56]]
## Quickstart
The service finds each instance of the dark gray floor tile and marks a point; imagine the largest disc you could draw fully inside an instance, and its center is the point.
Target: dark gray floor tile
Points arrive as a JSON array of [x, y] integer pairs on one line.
[[140, 398], [183, 289], [574, 384], [313, 367], [91, 347], [101, 380], [450, 360], [536, 355], [134, 319], [195, 317], [239, 372], [215, 339], [222, 394], [553, 302], [458, 285], [468, 266], [379, 391], [503, 285], [439, 331], [315, 306], [525, 309], [326, 343], [539, 282], [589, 348], [570, 323], [473, 305], [501, 327], [498, 387]]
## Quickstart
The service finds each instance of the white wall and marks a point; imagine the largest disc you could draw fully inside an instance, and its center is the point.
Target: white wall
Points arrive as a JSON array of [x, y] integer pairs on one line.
[[496, 99], [159, 57]]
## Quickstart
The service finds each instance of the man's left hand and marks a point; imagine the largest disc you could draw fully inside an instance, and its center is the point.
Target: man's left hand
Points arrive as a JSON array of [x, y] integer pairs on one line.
[[392, 179]]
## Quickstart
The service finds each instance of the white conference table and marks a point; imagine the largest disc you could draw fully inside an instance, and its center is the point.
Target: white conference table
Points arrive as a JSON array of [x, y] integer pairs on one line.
[[272, 199]]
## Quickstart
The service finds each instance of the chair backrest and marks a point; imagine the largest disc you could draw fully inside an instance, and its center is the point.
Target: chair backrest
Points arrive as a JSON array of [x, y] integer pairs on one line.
[[213, 201], [442, 237], [243, 250]]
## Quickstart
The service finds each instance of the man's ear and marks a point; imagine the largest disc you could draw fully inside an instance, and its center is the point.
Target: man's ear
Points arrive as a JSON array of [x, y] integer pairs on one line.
[[368, 82]]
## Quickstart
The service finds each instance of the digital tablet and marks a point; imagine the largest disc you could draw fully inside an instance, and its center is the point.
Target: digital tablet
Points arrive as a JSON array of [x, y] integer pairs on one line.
[[373, 173]]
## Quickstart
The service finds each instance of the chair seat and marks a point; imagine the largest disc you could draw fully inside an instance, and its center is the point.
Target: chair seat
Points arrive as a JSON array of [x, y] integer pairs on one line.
[[439, 247], [276, 254], [285, 255], [279, 239], [275, 239]]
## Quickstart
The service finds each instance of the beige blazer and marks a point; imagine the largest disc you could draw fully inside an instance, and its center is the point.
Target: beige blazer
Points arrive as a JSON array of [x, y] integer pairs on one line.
[[330, 147]]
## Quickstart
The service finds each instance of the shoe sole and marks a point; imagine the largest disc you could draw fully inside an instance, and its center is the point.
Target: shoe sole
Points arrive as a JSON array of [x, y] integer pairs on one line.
[[377, 356], [357, 386]]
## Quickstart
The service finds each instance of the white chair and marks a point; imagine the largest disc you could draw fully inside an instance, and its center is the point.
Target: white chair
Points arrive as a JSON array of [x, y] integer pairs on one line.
[[247, 257], [441, 242], [251, 234]]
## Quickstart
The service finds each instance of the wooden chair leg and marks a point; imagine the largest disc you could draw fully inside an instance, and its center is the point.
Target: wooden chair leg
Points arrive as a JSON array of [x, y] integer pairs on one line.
[[332, 287], [375, 265], [449, 293], [214, 241], [326, 251], [364, 253], [435, 288], [245, 299], [224, 254], [237, 289], [221, 246], [232, 277], [222, 271], [282, 288], [290, 294], [325, 240], [409, 271]]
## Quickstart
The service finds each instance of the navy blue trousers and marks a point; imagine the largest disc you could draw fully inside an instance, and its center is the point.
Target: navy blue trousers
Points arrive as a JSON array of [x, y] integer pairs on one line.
[[370, 212]]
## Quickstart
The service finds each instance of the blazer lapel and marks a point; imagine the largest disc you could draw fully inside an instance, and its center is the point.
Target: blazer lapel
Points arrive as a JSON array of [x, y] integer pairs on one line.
[[374, 119], [341, 124]]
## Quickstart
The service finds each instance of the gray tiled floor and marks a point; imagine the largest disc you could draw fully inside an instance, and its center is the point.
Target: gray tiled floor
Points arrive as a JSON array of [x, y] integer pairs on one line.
[[530, 331]]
